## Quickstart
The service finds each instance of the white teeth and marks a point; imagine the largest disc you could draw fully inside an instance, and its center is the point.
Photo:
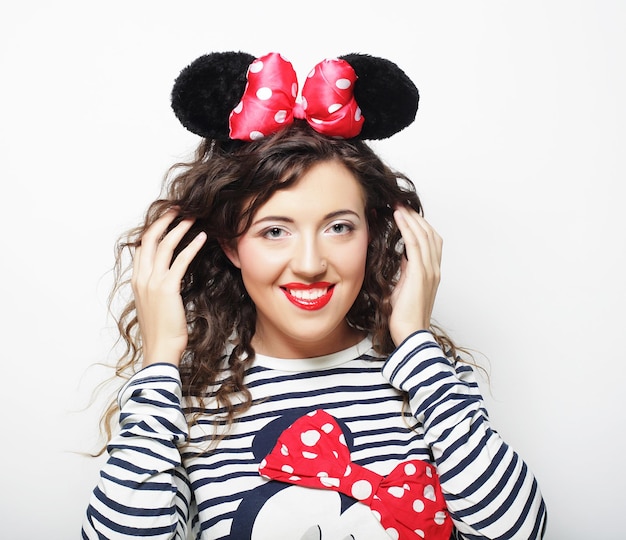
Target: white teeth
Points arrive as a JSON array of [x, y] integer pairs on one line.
[[309, 294]]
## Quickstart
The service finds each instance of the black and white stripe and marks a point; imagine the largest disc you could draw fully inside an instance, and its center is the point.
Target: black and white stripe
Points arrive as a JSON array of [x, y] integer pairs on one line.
[[146, 487]]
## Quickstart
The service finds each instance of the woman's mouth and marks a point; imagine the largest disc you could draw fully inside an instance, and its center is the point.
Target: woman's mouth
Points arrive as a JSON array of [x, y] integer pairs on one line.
[[309, 297]]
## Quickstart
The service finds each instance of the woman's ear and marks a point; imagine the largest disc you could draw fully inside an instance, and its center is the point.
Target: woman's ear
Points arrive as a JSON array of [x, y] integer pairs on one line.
[[230, 250], [372, 217]]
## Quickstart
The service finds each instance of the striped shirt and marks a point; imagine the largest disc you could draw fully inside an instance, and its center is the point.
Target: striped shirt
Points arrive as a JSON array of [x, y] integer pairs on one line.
[[164, 480]]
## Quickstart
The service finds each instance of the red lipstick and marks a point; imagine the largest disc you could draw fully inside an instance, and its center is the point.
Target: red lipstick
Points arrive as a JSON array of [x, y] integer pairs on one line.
[[309, 296]]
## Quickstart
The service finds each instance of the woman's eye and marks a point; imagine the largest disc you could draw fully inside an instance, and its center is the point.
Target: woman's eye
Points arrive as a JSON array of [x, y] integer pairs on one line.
[[340, 228], [274, 232]]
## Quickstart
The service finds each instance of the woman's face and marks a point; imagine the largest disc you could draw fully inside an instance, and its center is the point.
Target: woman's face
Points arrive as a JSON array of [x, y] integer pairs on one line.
[[303, 262]]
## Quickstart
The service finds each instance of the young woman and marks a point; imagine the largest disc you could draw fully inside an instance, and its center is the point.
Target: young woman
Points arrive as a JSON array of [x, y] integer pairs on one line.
[[290, 383]]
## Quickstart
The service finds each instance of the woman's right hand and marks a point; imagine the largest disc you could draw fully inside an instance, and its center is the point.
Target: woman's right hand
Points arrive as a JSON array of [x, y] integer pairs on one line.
[[156, 286]]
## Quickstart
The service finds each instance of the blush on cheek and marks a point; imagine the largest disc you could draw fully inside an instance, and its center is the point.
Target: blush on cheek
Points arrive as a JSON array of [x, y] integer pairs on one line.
[[354, 260]]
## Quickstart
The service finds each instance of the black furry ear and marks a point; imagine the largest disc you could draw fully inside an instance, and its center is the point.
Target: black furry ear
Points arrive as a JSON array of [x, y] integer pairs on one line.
[[386, 96], [208, 89]]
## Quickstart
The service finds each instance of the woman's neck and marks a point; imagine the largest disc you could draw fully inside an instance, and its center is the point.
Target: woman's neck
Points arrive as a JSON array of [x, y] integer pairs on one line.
[[341, 339]]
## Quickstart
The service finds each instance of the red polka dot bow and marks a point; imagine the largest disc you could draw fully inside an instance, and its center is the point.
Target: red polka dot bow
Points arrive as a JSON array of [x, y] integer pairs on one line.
[[269, 100], [409, 503]]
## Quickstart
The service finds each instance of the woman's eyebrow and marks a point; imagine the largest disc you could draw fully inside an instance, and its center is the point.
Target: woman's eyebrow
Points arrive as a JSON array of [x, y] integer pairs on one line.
[[283, 219], [339, 213], [286, 219]]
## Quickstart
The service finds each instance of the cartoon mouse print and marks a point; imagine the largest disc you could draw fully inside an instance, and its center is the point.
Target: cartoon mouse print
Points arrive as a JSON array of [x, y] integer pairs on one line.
[[300, 457]]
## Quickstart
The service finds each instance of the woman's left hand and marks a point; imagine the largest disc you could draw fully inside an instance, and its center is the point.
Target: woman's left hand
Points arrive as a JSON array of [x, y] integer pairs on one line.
[[413, 298]]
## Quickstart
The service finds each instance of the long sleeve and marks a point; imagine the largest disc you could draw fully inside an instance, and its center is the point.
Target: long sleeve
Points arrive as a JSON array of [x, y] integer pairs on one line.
[[143, 490], [489, 490]]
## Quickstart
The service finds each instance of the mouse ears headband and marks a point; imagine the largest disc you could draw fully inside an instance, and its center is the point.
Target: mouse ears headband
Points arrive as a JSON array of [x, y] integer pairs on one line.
[[233, 96]]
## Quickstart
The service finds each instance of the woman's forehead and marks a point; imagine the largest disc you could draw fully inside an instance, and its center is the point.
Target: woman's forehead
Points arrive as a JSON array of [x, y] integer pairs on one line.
[[324, 188]]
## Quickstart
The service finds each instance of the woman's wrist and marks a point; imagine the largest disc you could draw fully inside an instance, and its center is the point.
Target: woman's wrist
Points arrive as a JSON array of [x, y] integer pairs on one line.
[[162, 357]]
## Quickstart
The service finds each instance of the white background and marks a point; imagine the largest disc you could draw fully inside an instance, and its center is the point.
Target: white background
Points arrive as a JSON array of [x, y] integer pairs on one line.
[[517, 153]]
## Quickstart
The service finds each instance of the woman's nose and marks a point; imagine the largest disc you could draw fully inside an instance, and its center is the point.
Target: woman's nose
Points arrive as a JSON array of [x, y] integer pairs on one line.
[[308, 259]]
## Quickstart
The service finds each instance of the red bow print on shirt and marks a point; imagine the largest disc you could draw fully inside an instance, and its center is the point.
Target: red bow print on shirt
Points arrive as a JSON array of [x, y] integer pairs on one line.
[[269, 100], [408, 502]]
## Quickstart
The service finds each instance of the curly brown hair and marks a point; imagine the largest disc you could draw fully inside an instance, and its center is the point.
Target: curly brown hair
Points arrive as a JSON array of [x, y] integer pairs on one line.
[[222, 188]]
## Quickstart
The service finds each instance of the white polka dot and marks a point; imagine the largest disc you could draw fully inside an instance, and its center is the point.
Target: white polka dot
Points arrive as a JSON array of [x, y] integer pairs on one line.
[[312, 413], [376, 515], [309, 455], [330, 482], [348, 471], [429, 472], [343, 84], [393, 533], [418, 506], [429, 493], [264, 93], [334, 107], [295, 478], [311, 73], [263, 464], [407, 487], [440, 517], [410, 469], [238, 108], [280, 116], [336, 454], [256, 135], [304, 103], [342, 439], [419, 533], [322, 474], [310, 437], [256, 66], [357, 114], [396, 491], [327, 428], [317, 121], [361, 490], [294, 89], [287, 469], [284, 450]]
